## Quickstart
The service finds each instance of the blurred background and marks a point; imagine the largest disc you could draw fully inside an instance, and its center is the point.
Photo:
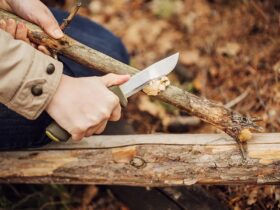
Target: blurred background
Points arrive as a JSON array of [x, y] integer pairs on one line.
[[230, 53]]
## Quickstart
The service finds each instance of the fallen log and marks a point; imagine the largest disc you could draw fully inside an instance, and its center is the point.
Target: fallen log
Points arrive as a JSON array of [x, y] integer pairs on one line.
[[223, 118], [147, 160]]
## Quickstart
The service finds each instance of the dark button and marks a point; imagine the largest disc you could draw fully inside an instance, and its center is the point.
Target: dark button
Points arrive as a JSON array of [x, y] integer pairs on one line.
[[50, 68], [37, 90]]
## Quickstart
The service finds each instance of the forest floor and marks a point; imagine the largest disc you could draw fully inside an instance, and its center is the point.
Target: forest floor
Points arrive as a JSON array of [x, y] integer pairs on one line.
[[230, 53]]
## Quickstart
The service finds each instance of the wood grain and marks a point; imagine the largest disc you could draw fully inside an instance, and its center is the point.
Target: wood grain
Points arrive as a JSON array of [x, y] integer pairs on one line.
[[147, 160]]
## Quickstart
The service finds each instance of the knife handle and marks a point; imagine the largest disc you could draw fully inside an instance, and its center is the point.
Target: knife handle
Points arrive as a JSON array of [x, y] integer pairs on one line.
[[119, 93], [56, 133]]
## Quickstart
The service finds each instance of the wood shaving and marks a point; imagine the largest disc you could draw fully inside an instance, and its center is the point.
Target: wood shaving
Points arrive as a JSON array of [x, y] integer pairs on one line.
[[245, 135], [156, 86]]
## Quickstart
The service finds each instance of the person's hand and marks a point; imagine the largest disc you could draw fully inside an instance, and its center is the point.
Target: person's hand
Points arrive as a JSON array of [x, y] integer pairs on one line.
[[83, 106], [19, 32], [34, 11]]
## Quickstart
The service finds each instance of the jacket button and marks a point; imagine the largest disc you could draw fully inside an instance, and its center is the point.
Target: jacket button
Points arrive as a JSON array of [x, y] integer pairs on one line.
[[37, 90], [50, 68]]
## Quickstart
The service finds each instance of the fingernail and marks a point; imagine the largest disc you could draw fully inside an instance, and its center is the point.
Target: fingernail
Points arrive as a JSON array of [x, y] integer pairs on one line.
[[57, 33]]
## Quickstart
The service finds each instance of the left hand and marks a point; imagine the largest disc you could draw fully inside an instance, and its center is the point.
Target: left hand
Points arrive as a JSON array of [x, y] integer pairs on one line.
[[34, 11], [19, 32]]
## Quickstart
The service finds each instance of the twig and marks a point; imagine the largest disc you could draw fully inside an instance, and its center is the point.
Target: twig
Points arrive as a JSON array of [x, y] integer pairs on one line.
[[65, 23], [72, 14], [56, 203], [259, 10], [237, 99], [18, 204]]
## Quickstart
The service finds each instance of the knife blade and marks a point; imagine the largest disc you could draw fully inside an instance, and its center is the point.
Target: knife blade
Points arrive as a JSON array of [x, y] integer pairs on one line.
[[142, 78], [155, 71], [136, 83]]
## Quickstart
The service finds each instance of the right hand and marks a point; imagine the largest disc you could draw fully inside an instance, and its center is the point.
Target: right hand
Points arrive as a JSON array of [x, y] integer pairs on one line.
[[83, 106]]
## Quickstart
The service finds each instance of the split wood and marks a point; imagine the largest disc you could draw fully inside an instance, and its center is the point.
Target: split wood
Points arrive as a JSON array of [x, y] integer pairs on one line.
[[147, 160]]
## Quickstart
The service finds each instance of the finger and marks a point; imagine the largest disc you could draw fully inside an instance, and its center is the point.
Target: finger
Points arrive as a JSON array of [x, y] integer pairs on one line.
[[91, 131], [78, 136], [44, 18], [114, 79], [11, 27], [44, 50], [96, 129], [101, 127], [21, 32], [116, 114], [3, 25]]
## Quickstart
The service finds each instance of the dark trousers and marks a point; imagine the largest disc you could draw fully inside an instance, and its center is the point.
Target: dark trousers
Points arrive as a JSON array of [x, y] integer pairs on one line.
[[17, 132]]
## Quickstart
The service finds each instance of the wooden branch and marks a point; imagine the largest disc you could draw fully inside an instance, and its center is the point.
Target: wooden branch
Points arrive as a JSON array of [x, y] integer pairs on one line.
[[225, 119], [147, 160], [72, 14]]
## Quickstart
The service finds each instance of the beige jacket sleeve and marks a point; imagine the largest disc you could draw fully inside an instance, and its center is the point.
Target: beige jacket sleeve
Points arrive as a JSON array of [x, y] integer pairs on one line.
[[28, 78]]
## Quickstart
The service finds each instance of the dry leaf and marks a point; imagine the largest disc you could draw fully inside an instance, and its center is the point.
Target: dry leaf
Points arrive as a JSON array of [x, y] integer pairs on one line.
[[252, 197], [189, 57], [89, 194], [231, 49]]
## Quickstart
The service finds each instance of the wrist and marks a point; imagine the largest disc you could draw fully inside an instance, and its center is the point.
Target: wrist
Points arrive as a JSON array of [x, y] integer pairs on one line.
[[57, 95]]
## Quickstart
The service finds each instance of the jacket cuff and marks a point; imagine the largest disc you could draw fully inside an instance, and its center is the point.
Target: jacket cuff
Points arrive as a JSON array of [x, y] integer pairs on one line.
[[38, 87]]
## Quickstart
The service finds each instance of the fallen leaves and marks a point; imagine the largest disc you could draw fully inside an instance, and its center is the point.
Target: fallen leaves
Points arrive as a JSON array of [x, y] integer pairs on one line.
[[189, 57], [230, 49], [90, 193]]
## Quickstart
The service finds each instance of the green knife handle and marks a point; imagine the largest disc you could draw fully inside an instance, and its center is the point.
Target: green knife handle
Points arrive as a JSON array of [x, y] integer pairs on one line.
[[56, 133], [119, 93]]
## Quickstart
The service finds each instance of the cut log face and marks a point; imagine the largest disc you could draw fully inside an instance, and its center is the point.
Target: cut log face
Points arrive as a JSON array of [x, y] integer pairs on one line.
[[147, 160]]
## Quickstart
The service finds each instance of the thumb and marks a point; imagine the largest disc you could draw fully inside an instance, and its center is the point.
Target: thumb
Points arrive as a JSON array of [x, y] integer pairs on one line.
[[47, 21], [114, 79], [36, 12]]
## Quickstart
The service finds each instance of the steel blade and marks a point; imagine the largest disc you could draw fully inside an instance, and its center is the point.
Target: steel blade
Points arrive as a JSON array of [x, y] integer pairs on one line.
[[155, 71]]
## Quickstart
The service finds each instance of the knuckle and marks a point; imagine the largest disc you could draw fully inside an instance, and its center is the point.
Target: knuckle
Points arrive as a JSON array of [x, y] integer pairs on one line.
[[80, 128], [105, 114], [93, 120]]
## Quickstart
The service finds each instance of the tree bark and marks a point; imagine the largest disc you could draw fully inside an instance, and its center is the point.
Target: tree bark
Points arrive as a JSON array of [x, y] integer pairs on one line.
[[147, 160], [225, 119]]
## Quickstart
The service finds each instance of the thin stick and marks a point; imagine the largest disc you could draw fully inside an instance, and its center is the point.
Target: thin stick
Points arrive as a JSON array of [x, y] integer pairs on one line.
[[259, 10], [72, 14], [65, 23], [237, 99]]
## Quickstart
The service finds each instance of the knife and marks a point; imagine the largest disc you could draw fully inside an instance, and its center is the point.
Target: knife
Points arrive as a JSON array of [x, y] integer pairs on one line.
[[136, 83]]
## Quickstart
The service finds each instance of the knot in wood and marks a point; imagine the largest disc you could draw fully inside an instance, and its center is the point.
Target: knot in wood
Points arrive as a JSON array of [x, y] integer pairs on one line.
[[138, 162]]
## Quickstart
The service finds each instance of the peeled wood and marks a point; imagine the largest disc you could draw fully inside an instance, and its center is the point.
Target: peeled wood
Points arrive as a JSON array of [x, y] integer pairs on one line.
[[147, 160]]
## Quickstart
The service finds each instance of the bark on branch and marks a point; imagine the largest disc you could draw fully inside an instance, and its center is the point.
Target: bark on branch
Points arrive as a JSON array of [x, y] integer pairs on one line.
[[147, 160], [225, 119]]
